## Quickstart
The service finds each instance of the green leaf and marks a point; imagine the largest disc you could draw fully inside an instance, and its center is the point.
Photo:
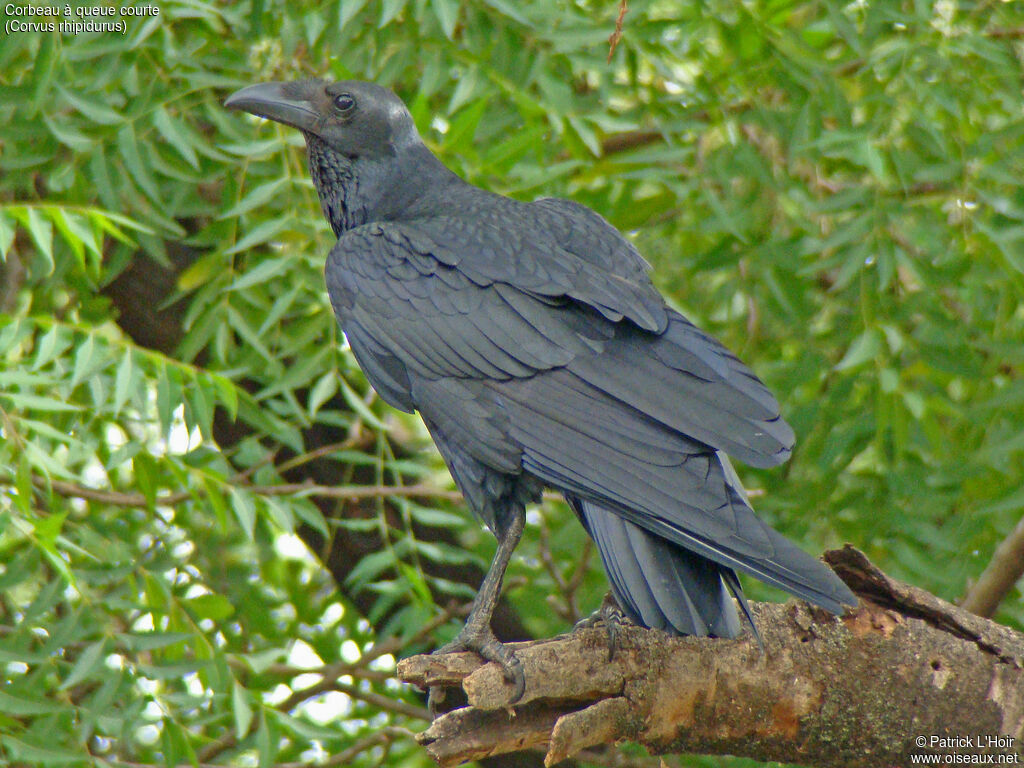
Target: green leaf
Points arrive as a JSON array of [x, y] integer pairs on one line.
[[151, 641], [39, 403], [89, 660], [171, 130], [245, 511], [867, 346], [322, 391], [267, 737], [46, 430], [128, 148], [168, 396], [200, 399], [16, 705], [30, 754], [280, 514], [311, 515], [123, 382], [227, 394], [173, 671], [48, 465], [256, 198], [509, 10], [389, 9], [370, 567], [84, 360], [356, 403], [245, 330], [175, 745], [97, 111], [146, 474], [44, 65], [47, 529], [47, 348], [72, 139], [259, 234], [7, 228], [436, 517], [347, 11], [260, 662], [77, 233], [211, 606], [41, 229], [447, 13], [262, 272], [241, 709], [201, 272]]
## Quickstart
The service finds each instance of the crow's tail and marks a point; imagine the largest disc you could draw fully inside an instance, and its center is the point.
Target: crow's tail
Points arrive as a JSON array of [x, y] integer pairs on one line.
[[659, 584]]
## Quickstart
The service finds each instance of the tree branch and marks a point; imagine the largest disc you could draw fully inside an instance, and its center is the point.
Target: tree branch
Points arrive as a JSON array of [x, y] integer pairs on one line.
[[348, 492], [345, 492], [998, 578], [856, 691]]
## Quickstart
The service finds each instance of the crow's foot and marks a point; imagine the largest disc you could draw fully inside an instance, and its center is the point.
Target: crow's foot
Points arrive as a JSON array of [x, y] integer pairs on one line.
[[612, 617], [481, 640]]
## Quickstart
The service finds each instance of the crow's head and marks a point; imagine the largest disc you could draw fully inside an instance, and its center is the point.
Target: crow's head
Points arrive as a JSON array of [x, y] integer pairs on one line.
[[352, 118], [362, 142]]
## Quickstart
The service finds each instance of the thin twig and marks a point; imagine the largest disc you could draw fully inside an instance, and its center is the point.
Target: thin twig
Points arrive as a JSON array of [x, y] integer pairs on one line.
[[582, 565], [565, 608], [381, 701], [348, 443], [336, 669], [999, 576], [120, 499], [333, 684], [1005, 33], [613, 41], [395, 645], [330, 674], [384, 736], [216, 747], [350, 492]]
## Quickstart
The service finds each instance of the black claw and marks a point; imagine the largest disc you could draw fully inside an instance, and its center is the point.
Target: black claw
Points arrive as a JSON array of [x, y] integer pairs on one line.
[[612, 628], [519, 680], [484, 643], [612, 618], [510, 665]]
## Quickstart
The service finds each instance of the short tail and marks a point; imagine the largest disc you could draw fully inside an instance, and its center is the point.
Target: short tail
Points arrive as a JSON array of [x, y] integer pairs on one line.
[[659, 584]]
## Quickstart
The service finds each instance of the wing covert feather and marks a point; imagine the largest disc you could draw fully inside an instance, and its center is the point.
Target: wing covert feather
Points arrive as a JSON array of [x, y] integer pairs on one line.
[[430, 317]]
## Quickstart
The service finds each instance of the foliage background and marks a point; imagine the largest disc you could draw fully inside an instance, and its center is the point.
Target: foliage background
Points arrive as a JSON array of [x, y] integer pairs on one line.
[[831, 188]]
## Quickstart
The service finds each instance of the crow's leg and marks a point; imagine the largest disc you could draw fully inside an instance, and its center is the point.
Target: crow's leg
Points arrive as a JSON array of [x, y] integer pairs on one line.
[[476, 635]]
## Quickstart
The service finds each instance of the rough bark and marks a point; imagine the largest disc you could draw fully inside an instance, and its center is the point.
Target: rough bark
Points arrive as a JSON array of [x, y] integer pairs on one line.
[[861, 690]]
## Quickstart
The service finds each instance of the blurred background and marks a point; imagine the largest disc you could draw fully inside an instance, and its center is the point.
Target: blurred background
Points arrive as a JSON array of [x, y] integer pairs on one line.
[[215, 541]]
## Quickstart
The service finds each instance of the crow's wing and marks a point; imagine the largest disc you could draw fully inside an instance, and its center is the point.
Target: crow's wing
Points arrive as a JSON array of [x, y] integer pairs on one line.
[[524, 380], [411, 313]]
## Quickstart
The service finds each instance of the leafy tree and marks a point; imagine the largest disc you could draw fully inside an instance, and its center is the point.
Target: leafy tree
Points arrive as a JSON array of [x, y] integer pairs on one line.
[[214, 540]]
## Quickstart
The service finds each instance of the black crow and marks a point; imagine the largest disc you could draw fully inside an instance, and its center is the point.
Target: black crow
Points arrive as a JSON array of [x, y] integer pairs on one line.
[[531, 341]]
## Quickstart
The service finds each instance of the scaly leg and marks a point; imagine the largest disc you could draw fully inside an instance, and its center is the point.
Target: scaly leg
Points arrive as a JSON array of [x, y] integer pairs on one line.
[[476, 635]]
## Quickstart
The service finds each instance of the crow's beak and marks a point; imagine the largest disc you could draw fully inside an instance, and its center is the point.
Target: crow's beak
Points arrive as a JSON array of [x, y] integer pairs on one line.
[[288, 103]]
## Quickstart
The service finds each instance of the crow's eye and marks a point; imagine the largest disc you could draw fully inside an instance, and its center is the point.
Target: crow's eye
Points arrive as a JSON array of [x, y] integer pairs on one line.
[[344, 103]]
